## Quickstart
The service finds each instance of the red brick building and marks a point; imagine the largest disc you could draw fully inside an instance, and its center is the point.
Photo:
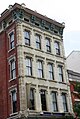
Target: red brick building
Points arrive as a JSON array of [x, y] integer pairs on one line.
[[73, 66], [5, 62], [33, 81], [73, 79]]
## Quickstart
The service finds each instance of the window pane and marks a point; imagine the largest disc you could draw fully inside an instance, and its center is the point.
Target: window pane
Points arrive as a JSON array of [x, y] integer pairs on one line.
[[38, 42], [40, 69], [13, 64], [27, 37], [57, 48], [14, 96], [28, 67], [13, 69], [32, 105], [43, 100], [14, 101], [54, 101], [26, 34], [60, 73], [48, 47], [12, 44], [64, 102], [14, 74], [11, 40], [11, 36], [50, 66]]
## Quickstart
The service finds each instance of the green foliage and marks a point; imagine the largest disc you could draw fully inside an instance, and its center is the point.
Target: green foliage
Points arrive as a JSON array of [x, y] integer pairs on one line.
[[77, 87], [77, 108], [77, 104]]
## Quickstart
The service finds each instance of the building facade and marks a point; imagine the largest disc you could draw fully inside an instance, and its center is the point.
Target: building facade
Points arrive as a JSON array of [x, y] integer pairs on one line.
[[33, 73], [74, 78], [73, 70]]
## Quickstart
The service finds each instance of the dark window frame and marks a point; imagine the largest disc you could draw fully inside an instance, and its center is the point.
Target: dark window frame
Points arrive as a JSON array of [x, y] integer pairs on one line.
[[11, 37], [40, 69], [48, 45], [60, 69], [57, 47], [27, 37], [29, 66], [64, 102], [54, 101], [14, 101], [38, 41], [32, 100], [12, 68], [43, 100], [51, 73]]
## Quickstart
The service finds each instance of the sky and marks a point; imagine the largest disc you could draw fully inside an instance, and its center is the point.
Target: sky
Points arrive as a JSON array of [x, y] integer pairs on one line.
[[60, 10]]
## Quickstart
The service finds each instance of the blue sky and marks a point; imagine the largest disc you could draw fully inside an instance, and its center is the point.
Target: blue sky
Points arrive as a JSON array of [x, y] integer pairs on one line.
[[62, 11]]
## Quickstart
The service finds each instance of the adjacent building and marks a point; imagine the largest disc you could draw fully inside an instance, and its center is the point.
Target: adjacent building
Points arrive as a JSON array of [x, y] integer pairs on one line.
[[33, 75], [73, 70]]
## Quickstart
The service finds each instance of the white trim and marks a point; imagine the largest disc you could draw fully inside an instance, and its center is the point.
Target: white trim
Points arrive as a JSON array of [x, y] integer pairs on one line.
[[12, 79], [9, 39], [11, 49], [12, 58], [77, 100], [13, 87], [10, 92], [13, 113]]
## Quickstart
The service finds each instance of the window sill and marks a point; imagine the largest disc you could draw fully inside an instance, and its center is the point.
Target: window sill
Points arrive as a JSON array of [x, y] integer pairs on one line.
[[39, 50], [52, 80], [59, 56], [12, 114], [12, 79], [27, 46], [62, 83], [29, 76], [11, 49], [49, 53], [41, 78]]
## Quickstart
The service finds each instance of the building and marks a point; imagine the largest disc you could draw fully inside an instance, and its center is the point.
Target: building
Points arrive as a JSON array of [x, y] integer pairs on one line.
[[73, 70], [33, 81]]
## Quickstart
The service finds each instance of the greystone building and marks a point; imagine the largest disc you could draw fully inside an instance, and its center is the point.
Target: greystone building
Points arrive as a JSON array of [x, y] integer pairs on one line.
[[37, 85]]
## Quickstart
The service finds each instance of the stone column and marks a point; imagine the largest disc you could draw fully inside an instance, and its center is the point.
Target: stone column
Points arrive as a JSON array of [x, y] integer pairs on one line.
[[48, 100], [59, 101], [20, 59]]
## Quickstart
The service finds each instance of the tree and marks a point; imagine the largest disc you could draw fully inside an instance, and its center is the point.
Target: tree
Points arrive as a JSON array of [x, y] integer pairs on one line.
[[76, 106]]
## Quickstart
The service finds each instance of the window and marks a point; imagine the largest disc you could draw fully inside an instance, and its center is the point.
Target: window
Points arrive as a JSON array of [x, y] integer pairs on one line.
[[38, 42], [14, 101], [43, 100], [12, 69], [28, 67], [60, 70], [54, 101], [27, 37], [50, 69], [32, 105], [40, 69], [48, 47], [11, 36], [57, 48], [64, 102]]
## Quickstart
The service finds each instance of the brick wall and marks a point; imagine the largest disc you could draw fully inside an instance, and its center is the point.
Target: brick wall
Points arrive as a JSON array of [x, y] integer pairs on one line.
[[3, 79]]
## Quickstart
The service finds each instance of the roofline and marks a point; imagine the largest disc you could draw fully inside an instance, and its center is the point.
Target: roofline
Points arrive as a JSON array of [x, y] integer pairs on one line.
[[72, 53], [16, 5], [72, 72]]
